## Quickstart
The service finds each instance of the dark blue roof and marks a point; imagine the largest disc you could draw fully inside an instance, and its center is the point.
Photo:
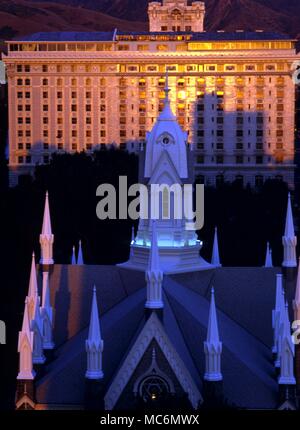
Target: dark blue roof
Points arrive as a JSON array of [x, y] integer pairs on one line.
[[108, 36]]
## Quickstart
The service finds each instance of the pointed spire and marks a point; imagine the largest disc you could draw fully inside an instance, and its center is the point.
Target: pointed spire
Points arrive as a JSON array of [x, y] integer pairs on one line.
[[167, 114], [46, 229], [46, 237], [154, 275], [73, 259], [289, 222], [167, 89], [94, 344], [94, 329], [33, 286], [213, 346], [215, 259], [269, 260], [289, 239], [37, 329], [25, 348], [213, 331], [80, 255]]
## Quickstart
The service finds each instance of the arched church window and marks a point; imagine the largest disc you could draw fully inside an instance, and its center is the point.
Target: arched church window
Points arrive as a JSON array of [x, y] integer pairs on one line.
[[166, 203]]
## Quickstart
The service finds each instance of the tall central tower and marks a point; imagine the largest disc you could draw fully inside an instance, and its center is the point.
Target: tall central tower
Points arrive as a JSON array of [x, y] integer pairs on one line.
[[176, 15], [165, 172]]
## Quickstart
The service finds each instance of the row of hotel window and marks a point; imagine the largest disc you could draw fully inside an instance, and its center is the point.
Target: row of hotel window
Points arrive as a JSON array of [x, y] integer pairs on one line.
[[220, 179], [194, 46], [201, 82], [191, 68], [219, 159]]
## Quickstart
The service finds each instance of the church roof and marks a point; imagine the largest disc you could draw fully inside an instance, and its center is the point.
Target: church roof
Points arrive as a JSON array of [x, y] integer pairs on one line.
[[245, 328], [103, 36]]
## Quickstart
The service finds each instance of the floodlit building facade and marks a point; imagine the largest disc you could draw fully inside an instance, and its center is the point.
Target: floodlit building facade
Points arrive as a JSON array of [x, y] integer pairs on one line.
[[232, 92]]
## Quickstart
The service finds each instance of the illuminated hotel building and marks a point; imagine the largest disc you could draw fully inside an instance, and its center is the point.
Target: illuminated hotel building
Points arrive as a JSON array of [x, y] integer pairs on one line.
[[231, 91]]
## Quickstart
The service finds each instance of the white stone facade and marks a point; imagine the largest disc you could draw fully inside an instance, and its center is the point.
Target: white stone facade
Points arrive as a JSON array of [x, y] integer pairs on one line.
[[176, 15]]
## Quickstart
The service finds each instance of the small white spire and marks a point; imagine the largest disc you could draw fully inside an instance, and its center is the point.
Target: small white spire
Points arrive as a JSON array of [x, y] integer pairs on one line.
[[25, 348], [33, 286], [167, 114], [94, 344], [296, 303], [289, 239], [80, 261], [276, 311], [213, 346], [47, 314], [46, 237], [215, 259], [287, 353], [269, 260], [73, 259], [154, 275]]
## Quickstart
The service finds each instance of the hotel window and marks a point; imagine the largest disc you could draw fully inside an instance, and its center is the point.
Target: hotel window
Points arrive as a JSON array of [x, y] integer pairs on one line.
[[161, 47], [279, 120], [74, 147], [88, 120], [102, 120], [19, 95], [60, 146], [27, 95], [28, 159], [27, 81], [59, 108], [59, 95], [45, 82], [73, 82], [88, 147], [20, 108], [188, 28], [279, 133], [219, 159], [59, 69], [44, 68], [20, 133], [164, 28], [59, 121], [239, 159], [19, 81], [102, 95], [19, 68], [259, 159], [143, 47], [88, 94], [102, 108], [88, 82], [280, 108], [88, 133], [74, 133], [200, 159], [45, 108], [74, 121], [27, 108], [28, 133], [123, 48], [20, 160], [45, 133], [74, 108], [102, 133], [122, 133], [88, 108], [74, 95], [45, 120], [20, 146], [45, 94], [59, 134], [27, 120]]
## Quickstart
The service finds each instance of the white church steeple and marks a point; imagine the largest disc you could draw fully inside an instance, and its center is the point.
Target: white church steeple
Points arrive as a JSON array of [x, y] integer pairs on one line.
[[94, 344], [46, 237], [289, 239], [213, 346], [296, 303], [269, 260]]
